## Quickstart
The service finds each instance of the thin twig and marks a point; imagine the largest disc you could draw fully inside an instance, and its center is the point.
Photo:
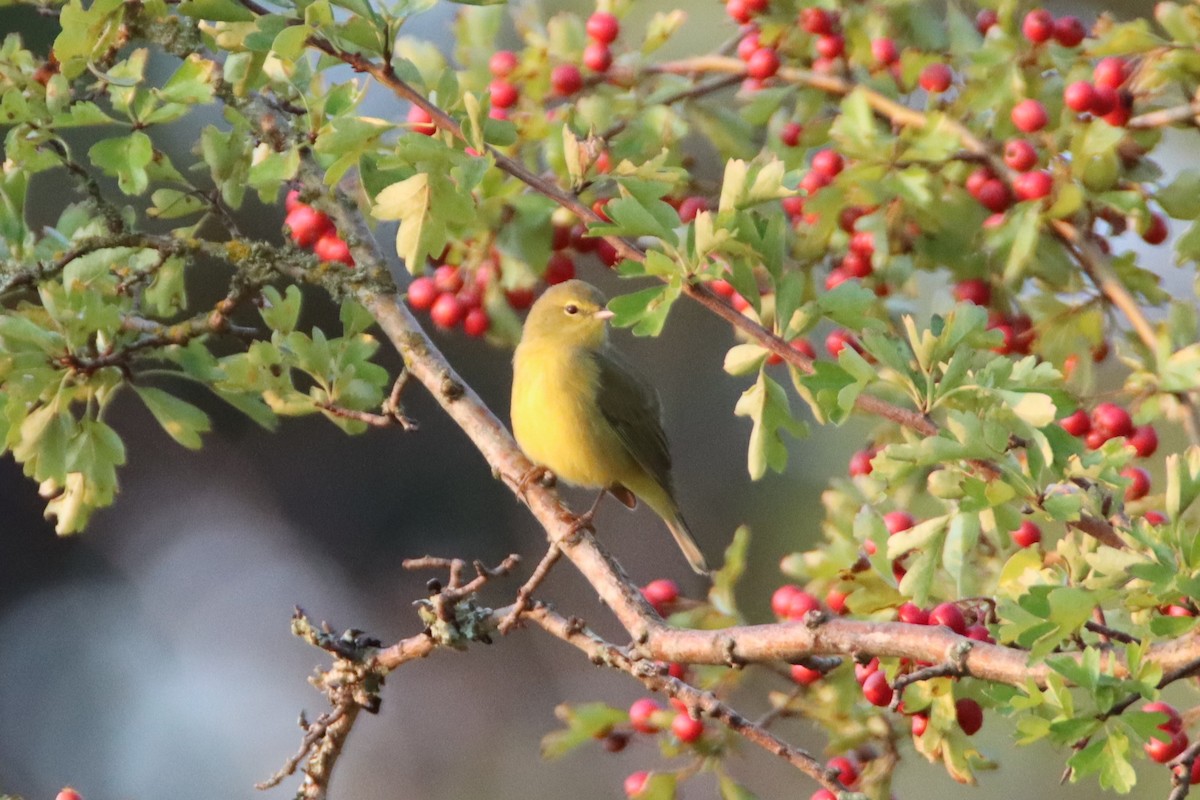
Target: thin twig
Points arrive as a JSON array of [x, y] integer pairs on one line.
[[525, 593]]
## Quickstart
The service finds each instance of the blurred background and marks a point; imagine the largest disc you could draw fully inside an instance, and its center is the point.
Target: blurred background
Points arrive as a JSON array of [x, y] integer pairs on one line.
[[151, 656]]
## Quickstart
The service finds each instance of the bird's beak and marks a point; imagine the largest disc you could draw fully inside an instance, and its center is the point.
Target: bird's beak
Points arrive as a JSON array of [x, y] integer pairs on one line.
[[604, 313]]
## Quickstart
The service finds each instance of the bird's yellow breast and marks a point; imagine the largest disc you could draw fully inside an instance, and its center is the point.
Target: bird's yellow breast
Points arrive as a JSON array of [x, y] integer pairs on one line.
[[557, 420]]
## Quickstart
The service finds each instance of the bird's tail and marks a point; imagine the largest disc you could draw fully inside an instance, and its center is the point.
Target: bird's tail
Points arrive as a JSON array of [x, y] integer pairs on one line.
[[691, 550]]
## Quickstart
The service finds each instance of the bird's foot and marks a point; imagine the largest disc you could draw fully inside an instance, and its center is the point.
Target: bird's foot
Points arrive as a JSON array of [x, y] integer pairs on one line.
[[577, 524], [535, 474]]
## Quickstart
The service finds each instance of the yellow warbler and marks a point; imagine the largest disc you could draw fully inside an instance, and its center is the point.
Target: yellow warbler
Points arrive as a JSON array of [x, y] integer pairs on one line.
[[580, 410]]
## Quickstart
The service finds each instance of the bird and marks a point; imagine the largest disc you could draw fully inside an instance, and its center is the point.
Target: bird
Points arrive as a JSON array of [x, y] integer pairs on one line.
[[581, 410]]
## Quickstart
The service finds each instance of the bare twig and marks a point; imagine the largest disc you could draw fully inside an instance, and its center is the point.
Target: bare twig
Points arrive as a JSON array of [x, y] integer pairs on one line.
[[525, 593]]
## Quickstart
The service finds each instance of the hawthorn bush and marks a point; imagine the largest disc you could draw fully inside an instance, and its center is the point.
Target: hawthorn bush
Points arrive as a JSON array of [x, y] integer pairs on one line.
[[947, 202]]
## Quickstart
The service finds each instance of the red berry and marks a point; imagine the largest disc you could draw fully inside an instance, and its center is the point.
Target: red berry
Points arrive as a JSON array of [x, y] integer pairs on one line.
[[1104, 100], [1033, 185], [790, 133], [502, 63], [762, 64], [1038, 26], [1069, 31], [641, 713], [685, 728], [503, 93], [721, 287], [804, 347], [980, 633], [422, 293], [306, 225], [973, 290], [847, 773], [831, 45], [635, 783], [559, 268], [814, 180], [1079, 96], [447, 311], [1173, 722], [1139, 483], [836, 278], [884, 51], [448, 278], [331, 247], [839, 339], [897, 521], [1162, 752], [919, 723], [603, 27], [1020, 155], [862, 242], [969, 714], [781, 599], [748, 44], [1029, 116], [1156, 230], [661, 593], [994, 195], [950, 615], [860, 463], [828, 162], [597, 57], [739, 11], [863, 671], [420, 121], [984, 21], [1111, 421], [877, 690], [292, 199], [977, 179], [800, 604], [936, 78], [816, 20], [519, 298], [476, 323], [67, 793], [690, 207], [1027, 535], [1110, 72], [793, 206], [1144, 440], [855, 265], [822, 794], [1122, 110], [912, 613], [1076, 424], [566, 80], [805, 676]]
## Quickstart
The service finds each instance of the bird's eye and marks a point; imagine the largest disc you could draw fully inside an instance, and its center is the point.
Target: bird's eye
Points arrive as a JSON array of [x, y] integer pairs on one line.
[[572, 309]]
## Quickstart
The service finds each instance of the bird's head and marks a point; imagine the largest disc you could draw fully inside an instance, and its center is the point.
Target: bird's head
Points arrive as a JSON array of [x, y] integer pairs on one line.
[[571, 313]]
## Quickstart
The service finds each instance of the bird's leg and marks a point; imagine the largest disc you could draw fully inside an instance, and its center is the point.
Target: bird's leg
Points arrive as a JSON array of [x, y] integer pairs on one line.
[[535, 474], [584, 521]]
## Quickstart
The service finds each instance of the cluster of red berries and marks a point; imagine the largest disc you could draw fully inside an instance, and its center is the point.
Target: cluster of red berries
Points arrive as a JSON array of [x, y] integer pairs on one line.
[[502, 92], [603, 29], [1176, 740], [1110, 421], [314, 230], [454, 294]]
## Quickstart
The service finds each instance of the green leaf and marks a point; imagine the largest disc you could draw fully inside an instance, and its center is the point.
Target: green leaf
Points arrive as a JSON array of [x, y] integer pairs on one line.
[[766, 404], [1181, 198], [216, 10], [281, 312], [585, 723], [126, 158], [725, 580], [645, 310], [182, 421], [732, 790]]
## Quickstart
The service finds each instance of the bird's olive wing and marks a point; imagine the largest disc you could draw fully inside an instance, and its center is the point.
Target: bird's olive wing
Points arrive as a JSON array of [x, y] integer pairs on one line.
[[631, 406]]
